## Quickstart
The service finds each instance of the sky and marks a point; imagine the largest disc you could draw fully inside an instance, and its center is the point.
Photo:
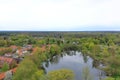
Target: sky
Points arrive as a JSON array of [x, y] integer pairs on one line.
[[60, 15]]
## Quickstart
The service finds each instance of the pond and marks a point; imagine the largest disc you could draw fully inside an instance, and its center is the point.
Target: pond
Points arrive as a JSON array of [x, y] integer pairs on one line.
[[77, 62]]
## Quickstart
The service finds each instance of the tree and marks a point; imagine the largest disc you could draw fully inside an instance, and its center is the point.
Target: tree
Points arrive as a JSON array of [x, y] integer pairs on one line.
[[109, 78], [39, 75], [97, 50], [25, 70], [5, 67], [112, 69], [38, 57], [54, 49], [40, 42], [62, 74], [105, 52], [112, 51], [110, 43]]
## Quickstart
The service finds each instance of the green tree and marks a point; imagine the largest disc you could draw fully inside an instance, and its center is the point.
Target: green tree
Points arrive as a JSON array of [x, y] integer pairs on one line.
[[112, 68], [38, 57], [110, 43], [62, 74], [55, 49], [105, 52], [25, 70], [39, 75], [109, 78], [5, 67]]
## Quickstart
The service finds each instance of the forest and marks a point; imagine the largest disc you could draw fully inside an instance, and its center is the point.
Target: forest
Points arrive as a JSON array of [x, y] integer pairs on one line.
[[40, 47]]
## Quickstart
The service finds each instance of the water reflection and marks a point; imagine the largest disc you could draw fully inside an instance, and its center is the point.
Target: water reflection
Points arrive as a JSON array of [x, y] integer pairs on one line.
[[55, 59], [96, 63], [85, 58], [74, 61], [47, 64]]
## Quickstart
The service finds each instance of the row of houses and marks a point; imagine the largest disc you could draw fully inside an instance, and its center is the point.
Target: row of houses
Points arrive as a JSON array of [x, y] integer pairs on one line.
[[18, 54], [12, 59]]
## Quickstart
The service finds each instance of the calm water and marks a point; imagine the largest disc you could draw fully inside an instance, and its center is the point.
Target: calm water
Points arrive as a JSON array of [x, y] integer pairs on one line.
[[76, 62]]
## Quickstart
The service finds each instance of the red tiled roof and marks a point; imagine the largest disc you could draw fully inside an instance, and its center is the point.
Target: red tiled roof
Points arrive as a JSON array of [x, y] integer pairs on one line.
[[6, 59], [14, 70], [13, 47], [2, 76]]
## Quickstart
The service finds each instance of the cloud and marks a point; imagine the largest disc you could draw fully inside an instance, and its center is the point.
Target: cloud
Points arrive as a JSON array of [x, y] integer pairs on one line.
[[58, 14]]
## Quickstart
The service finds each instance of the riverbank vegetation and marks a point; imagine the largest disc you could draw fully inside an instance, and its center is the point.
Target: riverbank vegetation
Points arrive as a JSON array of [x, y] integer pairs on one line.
[[103, 47]]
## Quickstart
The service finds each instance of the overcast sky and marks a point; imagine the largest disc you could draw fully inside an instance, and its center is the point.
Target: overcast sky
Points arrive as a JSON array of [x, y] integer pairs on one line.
[[60, 15]]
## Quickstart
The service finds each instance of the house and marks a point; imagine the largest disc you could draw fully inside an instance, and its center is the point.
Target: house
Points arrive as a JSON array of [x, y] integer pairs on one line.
[[14, 48], [22, 52], [10, 61], [8, 55], [3, 75], [27, 47], [19, 52]]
